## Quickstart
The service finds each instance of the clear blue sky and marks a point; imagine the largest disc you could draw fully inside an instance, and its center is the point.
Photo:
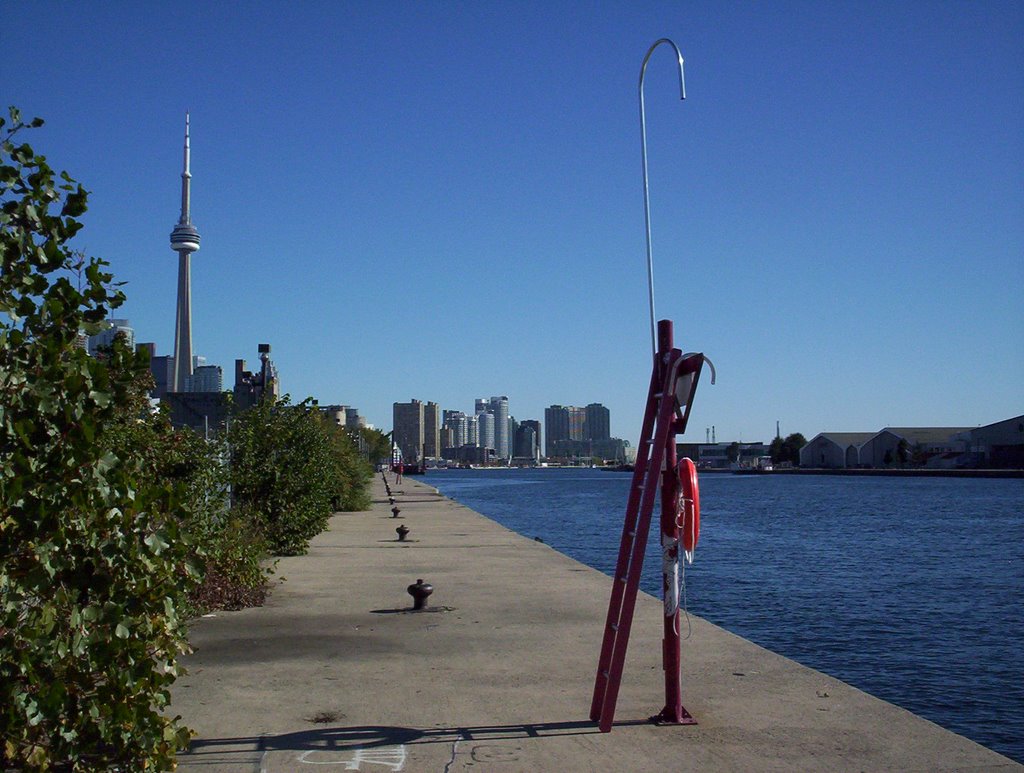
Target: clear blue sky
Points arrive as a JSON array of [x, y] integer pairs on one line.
[[443, 200]]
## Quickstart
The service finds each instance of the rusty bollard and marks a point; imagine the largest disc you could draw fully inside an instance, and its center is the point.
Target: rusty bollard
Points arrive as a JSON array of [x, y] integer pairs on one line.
[[395, 511], [419, 591], [391, 500], [402, 530]]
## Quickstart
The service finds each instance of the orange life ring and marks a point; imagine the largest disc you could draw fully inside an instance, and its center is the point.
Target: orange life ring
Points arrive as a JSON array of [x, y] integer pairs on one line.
[[691, 503]]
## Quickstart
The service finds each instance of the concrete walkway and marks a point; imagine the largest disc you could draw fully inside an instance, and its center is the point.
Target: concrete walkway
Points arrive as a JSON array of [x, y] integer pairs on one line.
[[335, 674]]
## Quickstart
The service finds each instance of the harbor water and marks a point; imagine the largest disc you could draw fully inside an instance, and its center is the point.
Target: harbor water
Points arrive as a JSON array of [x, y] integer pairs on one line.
[[911, 589]]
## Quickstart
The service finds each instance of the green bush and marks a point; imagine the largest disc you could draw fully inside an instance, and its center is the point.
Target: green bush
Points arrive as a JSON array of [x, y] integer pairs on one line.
[[230, 552], [290, 470], [93, 564]]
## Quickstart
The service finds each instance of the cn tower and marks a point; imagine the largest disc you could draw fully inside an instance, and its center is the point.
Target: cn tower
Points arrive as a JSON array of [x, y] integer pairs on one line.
[[184, 241]]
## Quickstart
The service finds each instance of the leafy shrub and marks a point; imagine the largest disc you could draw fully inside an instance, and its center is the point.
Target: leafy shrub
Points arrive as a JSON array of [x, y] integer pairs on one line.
[[93, 564], [290, 470]]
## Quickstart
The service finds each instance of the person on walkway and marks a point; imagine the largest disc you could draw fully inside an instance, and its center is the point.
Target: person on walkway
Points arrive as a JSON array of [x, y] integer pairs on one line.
[[398, 472]]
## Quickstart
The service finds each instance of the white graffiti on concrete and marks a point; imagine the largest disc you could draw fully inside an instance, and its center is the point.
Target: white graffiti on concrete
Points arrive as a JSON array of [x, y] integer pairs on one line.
[[390, 757]]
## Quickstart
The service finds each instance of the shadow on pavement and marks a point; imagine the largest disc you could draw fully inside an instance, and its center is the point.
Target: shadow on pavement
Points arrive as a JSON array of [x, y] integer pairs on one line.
[[368, 736]]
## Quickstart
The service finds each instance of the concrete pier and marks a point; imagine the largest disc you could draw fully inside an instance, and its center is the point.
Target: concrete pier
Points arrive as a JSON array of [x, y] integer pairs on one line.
[[337, 673]]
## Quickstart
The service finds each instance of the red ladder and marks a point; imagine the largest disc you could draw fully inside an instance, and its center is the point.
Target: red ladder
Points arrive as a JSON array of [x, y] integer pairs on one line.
[[665, 416]]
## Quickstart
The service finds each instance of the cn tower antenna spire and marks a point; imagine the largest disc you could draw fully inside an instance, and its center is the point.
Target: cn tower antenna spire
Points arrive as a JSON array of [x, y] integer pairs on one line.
[[184, 241]]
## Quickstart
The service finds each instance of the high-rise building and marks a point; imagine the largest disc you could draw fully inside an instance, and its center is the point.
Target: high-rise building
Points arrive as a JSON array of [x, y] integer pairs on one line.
[[184, 241], [162, 368], [432, 431], [458, 423], [556, 424], [534, 425], [598, 422], [206, 378], [502, 439], [577, 422], [472, 431], [527, 441], [485, 429], [407, 426], [105, 338]]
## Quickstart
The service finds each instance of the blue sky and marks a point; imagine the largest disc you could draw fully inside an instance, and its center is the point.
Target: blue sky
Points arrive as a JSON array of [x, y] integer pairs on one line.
[[444, 201]]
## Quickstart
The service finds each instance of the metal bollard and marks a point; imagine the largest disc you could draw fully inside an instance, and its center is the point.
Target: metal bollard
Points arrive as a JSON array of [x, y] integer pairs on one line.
[[402, 530], [395, 511], [419, 591]]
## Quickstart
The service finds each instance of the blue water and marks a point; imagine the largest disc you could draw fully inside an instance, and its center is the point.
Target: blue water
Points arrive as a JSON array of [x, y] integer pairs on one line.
[[908, 588]]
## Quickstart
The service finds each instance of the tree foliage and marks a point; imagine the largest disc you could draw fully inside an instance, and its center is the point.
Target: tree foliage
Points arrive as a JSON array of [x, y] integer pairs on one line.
[[787, 450], [290, 471], [93, 565]]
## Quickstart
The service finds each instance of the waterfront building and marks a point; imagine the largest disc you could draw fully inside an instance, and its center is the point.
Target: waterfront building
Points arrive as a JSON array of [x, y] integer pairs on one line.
[[556, 424], [184, 241], [105, 338], [526, 444], [472, 431], [577, 423], [458, 423], [834, 450], [598, 422], [408, 429], [431, 430], [535, 426], [499, 409], [997, 445], [485, 428]]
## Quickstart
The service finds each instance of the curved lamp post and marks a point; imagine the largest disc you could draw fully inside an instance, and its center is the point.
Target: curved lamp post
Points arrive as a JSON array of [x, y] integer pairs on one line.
[[643, 149]]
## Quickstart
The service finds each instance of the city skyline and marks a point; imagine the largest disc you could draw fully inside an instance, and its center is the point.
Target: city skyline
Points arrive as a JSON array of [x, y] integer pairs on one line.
[[829, 228]]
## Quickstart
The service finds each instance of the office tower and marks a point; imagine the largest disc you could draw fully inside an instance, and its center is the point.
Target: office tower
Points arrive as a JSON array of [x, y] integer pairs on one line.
[[432, 431], [556, 423], [184, 241], [206, 378], [407, 426], [472, 431], [526, 441], [535, 426], [105, 338], [598, 422]]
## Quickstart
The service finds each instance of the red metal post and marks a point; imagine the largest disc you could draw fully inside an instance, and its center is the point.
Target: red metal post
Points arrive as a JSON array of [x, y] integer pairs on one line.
[[670, 561]]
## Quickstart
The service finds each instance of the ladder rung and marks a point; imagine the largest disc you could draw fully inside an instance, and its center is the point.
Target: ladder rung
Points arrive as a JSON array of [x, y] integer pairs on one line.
[[604, 674], [621, 579], [632, 533], [658, 395], [650, 442]]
